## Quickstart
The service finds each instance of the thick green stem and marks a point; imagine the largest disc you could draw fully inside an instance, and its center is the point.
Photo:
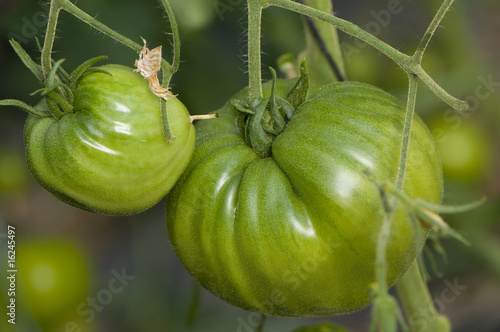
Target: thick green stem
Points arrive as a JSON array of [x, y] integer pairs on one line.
[[50, 35], [254, 60], [417, 303], [406, 62]]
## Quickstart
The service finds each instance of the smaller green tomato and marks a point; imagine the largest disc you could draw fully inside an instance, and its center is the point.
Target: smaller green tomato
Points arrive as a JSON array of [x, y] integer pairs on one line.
[[464, 149], [53, 276], [110, 154]]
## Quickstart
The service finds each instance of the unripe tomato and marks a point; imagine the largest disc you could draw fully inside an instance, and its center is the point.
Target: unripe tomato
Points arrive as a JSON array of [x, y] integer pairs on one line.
[[53, 277], [295, 234], [464, 148], [110, 155]]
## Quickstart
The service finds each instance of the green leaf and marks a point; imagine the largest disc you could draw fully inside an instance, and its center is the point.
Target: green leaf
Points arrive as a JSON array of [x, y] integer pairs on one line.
[[323, 327], [298, 94], [451, 208]]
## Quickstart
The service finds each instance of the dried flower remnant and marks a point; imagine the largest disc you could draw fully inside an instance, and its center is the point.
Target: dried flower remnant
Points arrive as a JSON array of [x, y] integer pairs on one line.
[[149, 64]]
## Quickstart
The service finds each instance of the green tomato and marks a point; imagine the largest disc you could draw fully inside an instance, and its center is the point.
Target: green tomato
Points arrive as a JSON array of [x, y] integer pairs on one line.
[[295, 234], [464, 148], [110, 155], [53, 276]]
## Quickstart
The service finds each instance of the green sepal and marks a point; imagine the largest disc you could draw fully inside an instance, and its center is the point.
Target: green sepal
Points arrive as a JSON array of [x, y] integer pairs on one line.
[[36, 69], [50, 88], [81, 69], [54, 108], [286, 107], [451, 208], [98, 70], [241, 121], [298, 94], [241, 106], [276, 116], [260, 141], [267, 123], [37, 110]]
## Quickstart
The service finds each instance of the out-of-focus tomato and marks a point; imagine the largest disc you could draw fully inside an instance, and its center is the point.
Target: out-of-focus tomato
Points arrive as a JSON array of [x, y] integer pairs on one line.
[[464, 147], [53, 276]]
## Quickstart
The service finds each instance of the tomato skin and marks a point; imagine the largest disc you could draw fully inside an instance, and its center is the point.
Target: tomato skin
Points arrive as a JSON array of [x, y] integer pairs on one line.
[[110, 155], [295, 234]]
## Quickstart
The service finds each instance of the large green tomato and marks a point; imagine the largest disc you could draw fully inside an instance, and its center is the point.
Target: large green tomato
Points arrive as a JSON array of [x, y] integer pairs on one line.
[[110, 155], [294, 234]]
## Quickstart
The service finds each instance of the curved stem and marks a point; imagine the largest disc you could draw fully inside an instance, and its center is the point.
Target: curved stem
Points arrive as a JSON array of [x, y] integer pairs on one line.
[[445, 6], [406, 62], [455, 103], [254, 60], [83, 16], [25, 107], [417, 303], [176, 59]]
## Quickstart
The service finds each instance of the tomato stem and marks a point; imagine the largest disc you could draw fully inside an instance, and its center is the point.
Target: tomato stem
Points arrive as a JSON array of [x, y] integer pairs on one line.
[[417, 303], [405, 143], [408, 63], [254, 60], [445, 7], [174, 66], [55, 9]]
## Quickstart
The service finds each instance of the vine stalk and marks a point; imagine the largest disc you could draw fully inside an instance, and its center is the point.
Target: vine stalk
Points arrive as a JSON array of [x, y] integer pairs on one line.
[[409, 64], [254, 61]]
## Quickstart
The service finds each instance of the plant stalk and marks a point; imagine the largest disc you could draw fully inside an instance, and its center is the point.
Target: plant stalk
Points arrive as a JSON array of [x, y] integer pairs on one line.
[[445, 6], [406, 62], [176, 59], [50, 35], [417, 303], [254, 60]]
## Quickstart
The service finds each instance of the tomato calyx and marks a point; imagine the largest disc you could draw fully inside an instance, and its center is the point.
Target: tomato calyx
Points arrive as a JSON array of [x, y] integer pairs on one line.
[[261, 120], [57, 91]]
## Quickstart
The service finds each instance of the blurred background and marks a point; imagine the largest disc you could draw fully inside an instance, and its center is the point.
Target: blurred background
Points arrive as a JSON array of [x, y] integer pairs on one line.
[[87, 272]]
